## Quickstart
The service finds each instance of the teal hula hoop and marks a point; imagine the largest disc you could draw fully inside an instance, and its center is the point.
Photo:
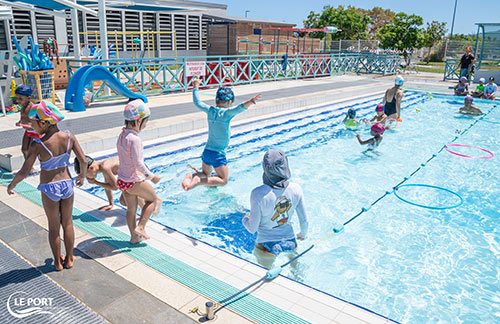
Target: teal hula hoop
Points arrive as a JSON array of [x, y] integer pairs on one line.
[[428, 186]]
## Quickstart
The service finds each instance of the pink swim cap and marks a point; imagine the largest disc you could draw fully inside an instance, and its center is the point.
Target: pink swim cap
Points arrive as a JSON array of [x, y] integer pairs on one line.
[[378, 129]]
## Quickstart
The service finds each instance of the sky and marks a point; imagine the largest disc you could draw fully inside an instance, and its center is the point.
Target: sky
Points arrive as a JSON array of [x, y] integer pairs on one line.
[[294, 11]]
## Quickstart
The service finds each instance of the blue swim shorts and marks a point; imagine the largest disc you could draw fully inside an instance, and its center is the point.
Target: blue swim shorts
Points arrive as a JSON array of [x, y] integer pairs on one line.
[[280, 246], [57, 190], [213, 158]]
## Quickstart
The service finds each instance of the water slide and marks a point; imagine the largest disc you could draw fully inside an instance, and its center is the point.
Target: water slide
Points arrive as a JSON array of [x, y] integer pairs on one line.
[[83, 78]]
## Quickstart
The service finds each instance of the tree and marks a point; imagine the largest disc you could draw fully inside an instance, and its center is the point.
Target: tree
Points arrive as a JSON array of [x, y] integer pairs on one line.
[[379, 17], [353, 25], [433, 35], [402, 34]]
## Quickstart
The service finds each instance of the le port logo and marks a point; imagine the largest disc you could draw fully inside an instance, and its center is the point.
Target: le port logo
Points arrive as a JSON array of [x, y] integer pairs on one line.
[[22, 305]]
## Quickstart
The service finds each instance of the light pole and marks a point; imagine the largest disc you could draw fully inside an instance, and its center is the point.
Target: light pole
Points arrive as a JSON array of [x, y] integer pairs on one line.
[[453, 21], [246, 11]]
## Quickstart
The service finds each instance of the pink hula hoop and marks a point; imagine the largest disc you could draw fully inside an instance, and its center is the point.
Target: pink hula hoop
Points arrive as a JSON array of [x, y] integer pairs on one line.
[[468, 156], [388, 120]]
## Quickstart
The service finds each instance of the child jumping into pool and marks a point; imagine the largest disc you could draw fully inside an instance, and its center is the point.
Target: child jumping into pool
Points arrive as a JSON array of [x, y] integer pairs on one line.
[[376, 131], [379, 117], [53, 150], [214, 154], [23, 98], [132, 172], [272, 206], [109, 169], [468, 108]]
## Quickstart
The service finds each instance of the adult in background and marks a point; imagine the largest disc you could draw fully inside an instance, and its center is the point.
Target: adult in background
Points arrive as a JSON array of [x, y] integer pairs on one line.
[[392, 99], [272, 206], [466, 63]]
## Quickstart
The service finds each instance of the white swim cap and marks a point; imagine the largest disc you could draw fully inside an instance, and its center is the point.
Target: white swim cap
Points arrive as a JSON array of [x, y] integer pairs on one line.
[[399, 80], [483, 80]]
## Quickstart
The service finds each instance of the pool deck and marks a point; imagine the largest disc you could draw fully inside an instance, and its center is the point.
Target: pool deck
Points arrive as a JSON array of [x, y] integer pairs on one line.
[[111, 281]]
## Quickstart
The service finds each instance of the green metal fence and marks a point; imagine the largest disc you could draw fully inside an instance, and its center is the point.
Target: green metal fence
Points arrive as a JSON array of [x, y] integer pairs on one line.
[[451, 70], [163, 75]]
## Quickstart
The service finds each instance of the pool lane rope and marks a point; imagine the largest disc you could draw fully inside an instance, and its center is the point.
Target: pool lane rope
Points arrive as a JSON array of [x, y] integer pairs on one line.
[[460, 199], [276, 271], [469, 156]]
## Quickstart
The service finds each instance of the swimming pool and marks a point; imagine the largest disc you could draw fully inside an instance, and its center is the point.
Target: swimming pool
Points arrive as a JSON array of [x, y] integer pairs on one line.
[[407, 263]]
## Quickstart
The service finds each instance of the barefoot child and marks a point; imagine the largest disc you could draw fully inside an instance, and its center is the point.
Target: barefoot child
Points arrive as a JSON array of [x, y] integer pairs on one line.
[[376, 131], [214, 154], [478, 93], [379, 117], [109, 170], [468, 108], [462, 88], [132, 172], [53, 150], [23, 98]]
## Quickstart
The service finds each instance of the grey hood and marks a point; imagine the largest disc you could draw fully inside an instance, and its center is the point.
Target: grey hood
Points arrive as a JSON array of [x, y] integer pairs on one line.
[[276, 171]]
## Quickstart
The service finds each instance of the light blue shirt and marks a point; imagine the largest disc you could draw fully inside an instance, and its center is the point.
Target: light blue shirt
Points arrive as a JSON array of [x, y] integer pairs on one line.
[[219, 118], [490, 89]]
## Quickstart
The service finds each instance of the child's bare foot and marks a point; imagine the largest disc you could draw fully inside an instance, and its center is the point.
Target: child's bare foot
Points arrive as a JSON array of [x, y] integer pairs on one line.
[[156, 211], [59, 263], [141, 231], [68, 262], [187, 181], [134, 239]]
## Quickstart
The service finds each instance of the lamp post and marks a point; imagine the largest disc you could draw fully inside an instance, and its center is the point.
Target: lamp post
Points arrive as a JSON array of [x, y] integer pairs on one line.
[[246, 12], [453, 21]]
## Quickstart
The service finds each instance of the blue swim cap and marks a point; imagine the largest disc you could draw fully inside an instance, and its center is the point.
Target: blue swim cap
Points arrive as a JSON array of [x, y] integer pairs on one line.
[[351, 113], [24, 90], [380, 108], [224, 93]]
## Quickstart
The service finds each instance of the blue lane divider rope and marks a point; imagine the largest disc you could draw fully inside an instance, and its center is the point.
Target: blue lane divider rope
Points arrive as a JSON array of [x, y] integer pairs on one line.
[[276, 271]]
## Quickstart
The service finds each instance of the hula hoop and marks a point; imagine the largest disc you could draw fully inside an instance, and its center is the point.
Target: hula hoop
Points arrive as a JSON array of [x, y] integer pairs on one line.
[[391, 119], [428, 186], [468, 156]]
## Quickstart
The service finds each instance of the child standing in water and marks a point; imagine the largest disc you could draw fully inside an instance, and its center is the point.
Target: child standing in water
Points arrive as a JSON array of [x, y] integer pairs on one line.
[[468, 108], [53, 150], [376, 131], [349, 120], [132, 172], [214, 154], [23, 98], [379, 117]]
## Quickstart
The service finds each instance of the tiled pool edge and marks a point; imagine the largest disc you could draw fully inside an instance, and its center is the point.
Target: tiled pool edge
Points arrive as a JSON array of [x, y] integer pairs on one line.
[[251, 307]]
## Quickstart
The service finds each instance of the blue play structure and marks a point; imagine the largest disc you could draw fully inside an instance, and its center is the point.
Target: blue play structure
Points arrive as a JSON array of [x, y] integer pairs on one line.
[[82, 79]]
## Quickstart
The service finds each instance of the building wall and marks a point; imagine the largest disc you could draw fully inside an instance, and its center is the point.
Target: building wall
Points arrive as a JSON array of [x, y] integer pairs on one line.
[[190, 29]]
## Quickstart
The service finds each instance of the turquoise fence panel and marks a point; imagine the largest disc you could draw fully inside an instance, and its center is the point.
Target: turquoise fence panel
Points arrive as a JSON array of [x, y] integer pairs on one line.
[[451, 70], [163, 75]]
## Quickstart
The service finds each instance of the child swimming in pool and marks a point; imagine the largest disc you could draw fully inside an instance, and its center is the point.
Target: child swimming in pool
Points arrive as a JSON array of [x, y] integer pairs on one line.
[[349, 120], [379, 117], [133, 173], [53, 150], [468, 108], [376, 131], [214, 154]]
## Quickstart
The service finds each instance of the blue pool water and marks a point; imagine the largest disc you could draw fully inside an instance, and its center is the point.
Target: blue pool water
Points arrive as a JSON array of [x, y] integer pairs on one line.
[[410, 264]]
